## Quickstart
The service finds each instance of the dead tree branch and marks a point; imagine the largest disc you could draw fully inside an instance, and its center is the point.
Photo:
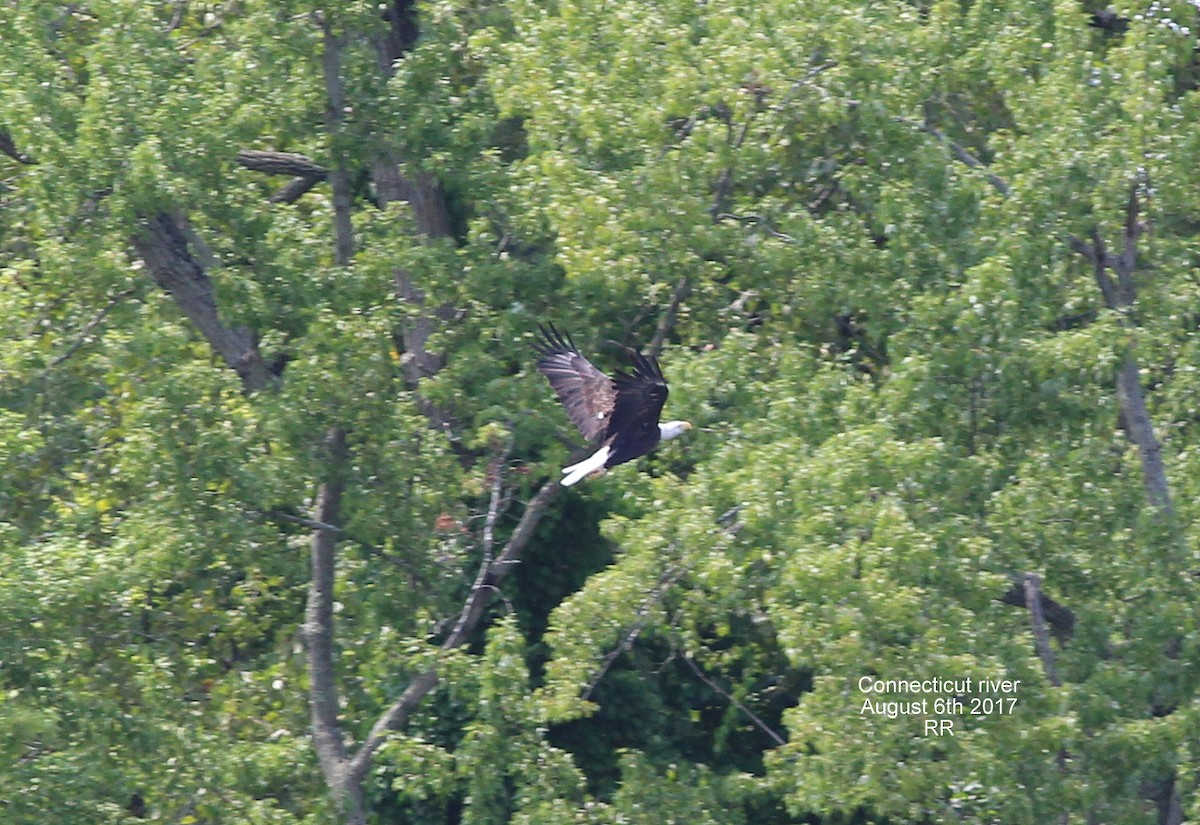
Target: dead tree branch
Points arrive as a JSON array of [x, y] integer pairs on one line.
[[757, 220], [281, 163], [959, 152], [294, 190], [481, 591], [496, 472], [1037, 618], [306, 174], [162, 244], [665, 583], [9, 147], [97, 319], [1120, 295], [1060, 619], [751, 715], [666, 321]]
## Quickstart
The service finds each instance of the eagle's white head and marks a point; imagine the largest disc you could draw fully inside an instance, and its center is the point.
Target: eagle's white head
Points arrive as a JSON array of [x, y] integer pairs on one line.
[[673, 428]]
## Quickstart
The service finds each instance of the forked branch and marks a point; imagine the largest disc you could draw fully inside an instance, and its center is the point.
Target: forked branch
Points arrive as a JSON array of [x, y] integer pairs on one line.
[[484, 587], [1121, 295]]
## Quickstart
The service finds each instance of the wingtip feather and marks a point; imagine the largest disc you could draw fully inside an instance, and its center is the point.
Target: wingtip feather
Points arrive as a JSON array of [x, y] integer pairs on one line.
[[552, 341]]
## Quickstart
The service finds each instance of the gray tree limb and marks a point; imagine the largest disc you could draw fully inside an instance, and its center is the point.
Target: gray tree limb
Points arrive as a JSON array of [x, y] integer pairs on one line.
[[306, 173], [960, 153], [1037, 618], [666, 321], [1120, 295], [162, 244], [281, 163], [1060, 619], [9, 147], [484, 587], [339, 177], [751, 715], [319, 637]]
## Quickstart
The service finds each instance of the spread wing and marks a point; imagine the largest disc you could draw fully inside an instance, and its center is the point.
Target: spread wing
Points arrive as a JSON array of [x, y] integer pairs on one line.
[[587, 394], [640, 398]]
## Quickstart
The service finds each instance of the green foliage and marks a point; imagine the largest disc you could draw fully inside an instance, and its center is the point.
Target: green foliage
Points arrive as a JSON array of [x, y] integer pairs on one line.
[[901, 376]]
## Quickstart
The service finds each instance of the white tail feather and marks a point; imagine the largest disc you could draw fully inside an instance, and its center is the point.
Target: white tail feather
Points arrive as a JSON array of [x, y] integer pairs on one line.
[[577, 472]]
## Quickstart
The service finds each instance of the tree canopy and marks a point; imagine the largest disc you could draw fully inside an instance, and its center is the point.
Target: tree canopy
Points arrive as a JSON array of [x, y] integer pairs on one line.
[[281, 534]]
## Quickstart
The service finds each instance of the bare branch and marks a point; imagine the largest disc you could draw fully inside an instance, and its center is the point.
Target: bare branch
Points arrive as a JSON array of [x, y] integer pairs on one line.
[[758, 220], [162, 244], [666, 321], [665, 582], [177, 16], [318, 621], [1097, 257], [397, 715], [1038, 619], [959, 152], [294, 190], [1122, 296], [496, 471], [500, 566], [318, 632], [85, 334], [281, 163], [307, 174], [8, 147], [1125, 264], [1060, 618], [1141, 429], [753, 717], [1077, 244]]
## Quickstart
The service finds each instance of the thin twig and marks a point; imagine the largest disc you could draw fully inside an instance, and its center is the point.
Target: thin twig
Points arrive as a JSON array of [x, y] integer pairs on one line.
[[91, 325], [767, 729], [665, 582], [666, 321], [959, 152]]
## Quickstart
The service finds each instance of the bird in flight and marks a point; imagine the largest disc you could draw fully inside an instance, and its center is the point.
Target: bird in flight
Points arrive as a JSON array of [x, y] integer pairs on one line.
[[620, 414]]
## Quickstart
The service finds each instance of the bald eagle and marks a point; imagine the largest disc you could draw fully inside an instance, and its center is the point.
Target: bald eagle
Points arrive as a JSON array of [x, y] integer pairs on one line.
[[620, 414]]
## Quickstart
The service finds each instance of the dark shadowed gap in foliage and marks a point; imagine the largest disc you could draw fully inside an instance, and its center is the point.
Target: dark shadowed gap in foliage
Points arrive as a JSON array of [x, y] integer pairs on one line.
[[650, 701], [643, 703], [567, 550]]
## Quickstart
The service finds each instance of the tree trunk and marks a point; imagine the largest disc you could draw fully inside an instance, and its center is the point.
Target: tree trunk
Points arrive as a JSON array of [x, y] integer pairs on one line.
[[319, 638]]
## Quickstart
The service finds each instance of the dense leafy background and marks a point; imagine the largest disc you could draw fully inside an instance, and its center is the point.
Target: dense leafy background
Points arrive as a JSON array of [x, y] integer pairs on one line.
[[850, 219]]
